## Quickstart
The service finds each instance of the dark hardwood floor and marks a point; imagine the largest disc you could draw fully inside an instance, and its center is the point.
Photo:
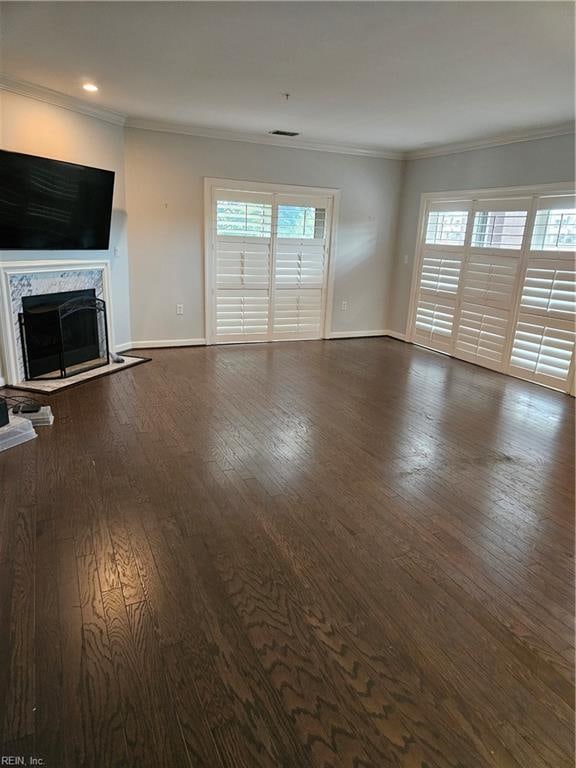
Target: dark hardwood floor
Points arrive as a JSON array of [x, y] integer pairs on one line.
[[344, 553]]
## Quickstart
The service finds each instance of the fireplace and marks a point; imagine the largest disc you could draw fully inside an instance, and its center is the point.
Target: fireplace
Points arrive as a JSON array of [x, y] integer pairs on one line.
[[63, 334]]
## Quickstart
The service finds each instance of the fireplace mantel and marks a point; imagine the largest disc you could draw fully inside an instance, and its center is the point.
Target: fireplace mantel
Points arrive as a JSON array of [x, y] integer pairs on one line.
[[46, 276]]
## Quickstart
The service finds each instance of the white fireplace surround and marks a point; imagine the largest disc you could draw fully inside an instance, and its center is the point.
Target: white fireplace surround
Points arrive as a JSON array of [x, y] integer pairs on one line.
[[11, 273]]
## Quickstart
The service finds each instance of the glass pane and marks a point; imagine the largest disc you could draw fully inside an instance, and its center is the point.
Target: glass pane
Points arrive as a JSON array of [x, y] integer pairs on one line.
[[301, 221], [446, 227], [554, 230], [237, 219], [499, 229]]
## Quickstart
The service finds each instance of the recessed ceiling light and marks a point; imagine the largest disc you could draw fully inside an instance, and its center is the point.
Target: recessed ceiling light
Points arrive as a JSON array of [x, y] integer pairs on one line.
[[90, 87]]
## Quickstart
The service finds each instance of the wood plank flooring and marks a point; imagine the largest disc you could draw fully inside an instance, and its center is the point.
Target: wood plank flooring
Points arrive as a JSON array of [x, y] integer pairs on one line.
[[349, 553]]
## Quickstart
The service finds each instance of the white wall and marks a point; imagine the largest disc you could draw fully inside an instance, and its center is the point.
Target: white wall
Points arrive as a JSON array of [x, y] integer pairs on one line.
[[164, 186], [529, 162], [38, 128]]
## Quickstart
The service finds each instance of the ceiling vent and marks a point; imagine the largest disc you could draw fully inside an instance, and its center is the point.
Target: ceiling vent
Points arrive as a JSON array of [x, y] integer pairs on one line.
[[284, 133]]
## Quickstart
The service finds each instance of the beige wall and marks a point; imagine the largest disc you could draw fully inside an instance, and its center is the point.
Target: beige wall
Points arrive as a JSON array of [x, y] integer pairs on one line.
[[164, 177]]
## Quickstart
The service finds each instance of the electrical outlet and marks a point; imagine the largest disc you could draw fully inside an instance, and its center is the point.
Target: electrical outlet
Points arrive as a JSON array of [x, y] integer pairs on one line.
[[179, 309], [405, 258], [344, 306]]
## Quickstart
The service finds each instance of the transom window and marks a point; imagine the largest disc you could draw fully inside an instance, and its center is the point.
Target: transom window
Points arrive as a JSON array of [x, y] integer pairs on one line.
[[446, 227], [499, 229], [299, 221], [554, 230], [243, 219]]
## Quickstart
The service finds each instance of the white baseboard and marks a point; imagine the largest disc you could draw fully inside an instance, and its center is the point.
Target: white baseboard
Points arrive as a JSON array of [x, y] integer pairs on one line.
[[158, 343], [360, 334], [355, 334], [396, 335], [2, 382], [123, 347]]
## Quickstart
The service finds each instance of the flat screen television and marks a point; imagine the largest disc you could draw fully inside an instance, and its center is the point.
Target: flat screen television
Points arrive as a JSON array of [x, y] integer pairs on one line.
[[50, 205]]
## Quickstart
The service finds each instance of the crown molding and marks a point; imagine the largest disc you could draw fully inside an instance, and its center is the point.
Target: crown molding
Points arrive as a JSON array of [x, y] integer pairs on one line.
[[258, 138], [47, 95], [498, 140], [40, 93]]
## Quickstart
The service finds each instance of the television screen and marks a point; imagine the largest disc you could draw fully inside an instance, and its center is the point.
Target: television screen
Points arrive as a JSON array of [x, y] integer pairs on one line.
[[51, 205]]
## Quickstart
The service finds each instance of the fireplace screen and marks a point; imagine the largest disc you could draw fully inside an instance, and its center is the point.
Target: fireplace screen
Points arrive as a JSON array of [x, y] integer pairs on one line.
[[63, 334]]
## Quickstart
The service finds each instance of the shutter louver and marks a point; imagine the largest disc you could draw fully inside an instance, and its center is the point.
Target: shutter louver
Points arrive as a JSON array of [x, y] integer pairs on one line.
[[482, 334], [242, 264], [549, 288], [434, 323], [242, 313], [298, 313], [299, 263], [543, 351]]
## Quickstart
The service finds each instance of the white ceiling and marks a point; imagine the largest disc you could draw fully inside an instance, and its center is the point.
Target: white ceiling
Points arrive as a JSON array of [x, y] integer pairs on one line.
[[393, 76]]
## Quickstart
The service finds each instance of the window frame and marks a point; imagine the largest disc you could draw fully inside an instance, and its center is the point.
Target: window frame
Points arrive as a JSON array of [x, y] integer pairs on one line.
[[289, 194], [480, 197]]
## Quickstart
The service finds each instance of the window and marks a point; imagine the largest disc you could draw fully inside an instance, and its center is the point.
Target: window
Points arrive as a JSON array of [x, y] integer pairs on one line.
[[298, 221], [243, 219], [499, 229], [267, 251], [500, 293], [554, 230], [446, 227]]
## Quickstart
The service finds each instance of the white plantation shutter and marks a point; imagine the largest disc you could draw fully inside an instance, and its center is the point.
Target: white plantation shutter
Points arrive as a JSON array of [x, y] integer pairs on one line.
[[549, 288], [299, 263], [487, 293], [298, 312], [543, 345], [543, 352], [438, 292], [269, 266], [242, 263], [241, 313], [497, 285], [299, 275], [434, 324], [482, 334]]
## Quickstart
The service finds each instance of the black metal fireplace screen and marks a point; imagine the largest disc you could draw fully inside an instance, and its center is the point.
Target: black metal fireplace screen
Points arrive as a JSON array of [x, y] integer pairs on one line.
[[63, 334]]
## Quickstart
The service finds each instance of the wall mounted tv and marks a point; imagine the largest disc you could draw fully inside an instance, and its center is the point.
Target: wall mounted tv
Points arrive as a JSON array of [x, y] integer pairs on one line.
[[50, 205]]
